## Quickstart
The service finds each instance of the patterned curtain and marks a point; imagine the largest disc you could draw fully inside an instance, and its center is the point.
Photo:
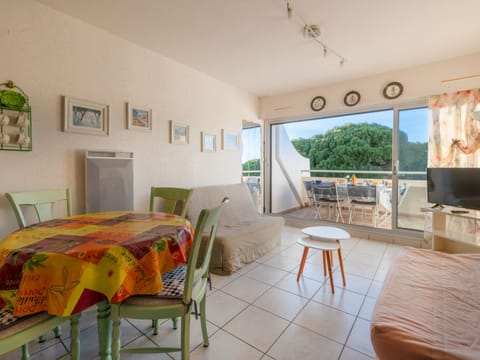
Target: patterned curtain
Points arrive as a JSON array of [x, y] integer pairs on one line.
[[454, 139]]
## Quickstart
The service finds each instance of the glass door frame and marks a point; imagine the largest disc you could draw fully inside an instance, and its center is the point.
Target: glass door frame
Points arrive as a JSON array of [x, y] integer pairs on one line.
[[267, 175], [421, 103]]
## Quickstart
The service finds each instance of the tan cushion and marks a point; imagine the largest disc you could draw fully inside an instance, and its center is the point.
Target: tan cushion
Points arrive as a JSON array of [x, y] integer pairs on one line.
[[243, 234]]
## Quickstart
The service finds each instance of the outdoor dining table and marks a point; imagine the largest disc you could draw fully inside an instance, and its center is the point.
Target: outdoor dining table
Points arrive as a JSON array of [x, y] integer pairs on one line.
[[66, 265]]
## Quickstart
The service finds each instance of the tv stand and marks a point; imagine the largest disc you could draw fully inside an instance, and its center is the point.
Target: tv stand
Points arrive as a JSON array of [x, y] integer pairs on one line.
[[455, 230], [437, 206]]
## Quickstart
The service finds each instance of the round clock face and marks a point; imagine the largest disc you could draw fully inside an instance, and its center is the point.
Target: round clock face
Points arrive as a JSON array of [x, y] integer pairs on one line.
[[393, 90], [351, 98], [318, 103]]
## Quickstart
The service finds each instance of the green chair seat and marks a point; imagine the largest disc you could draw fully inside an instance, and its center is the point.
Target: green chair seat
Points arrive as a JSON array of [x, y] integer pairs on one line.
[[22, 330]]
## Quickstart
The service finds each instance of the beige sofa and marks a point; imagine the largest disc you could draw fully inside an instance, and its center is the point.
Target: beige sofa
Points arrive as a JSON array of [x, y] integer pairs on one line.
[[243, 234]]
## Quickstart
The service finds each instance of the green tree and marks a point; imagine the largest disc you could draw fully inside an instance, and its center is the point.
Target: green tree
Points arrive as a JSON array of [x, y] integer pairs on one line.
[[253, 164], [349, 147], [362, 146]]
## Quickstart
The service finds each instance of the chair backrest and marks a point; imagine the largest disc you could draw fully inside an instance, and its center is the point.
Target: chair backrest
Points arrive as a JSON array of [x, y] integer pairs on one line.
[[175, 200], [342, 192], [324, 192], [363, 193], [42, 201], [197, 273], [308, 188]]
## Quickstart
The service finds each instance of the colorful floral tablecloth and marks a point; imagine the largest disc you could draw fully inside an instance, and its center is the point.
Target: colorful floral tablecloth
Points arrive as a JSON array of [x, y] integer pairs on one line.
[[65, 265]]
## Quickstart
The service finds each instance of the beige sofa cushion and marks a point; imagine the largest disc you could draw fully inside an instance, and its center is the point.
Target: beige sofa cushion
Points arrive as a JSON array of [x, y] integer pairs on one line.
[[243, 234]]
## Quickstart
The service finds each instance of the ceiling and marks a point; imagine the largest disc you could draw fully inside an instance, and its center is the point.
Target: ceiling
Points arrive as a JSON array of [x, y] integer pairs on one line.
[[252, 44]]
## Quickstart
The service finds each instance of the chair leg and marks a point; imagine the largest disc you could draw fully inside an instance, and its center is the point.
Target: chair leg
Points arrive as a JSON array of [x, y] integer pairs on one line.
[[25, 353], [174, 323], [185, 337], [324, 264], [155, 326], [302, 263], [74, 337], [340, 260], [330, 271], [203, 320], [57, 331], [116, 333]]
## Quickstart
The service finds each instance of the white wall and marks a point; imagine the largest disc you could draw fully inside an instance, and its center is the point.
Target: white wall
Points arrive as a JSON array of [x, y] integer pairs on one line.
[[49, 55], [284, 154], [419, 82]]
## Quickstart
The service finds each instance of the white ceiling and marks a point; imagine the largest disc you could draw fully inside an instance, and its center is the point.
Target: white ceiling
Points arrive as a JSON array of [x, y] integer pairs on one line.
[[251, 44]]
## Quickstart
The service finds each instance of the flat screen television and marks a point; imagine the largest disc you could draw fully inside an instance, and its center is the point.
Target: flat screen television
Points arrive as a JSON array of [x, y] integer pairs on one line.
[[459, 187]]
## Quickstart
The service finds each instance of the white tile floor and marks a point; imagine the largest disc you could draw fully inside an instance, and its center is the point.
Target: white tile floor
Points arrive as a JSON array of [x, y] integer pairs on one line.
[[261, 312]]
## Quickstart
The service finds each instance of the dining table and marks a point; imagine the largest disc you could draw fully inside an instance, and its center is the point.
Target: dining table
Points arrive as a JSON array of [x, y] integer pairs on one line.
[[66, 265]]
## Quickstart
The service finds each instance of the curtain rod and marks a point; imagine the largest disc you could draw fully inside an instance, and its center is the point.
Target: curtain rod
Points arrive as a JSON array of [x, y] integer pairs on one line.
[[460, 78]]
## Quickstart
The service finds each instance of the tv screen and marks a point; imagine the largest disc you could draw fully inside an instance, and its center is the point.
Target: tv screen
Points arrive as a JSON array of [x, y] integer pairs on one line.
[[459, 187]]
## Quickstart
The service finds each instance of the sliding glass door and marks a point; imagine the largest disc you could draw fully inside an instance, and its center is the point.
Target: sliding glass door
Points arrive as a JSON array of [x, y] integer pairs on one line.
[[373, 165], [412, 140]]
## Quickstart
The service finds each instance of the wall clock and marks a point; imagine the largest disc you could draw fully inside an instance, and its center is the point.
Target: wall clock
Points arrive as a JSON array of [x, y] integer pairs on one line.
[[351, 98], [318, 103], [392, 90]]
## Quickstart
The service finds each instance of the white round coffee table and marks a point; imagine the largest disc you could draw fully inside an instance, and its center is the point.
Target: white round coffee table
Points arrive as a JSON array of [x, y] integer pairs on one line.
[[327, 233], [326, 239]]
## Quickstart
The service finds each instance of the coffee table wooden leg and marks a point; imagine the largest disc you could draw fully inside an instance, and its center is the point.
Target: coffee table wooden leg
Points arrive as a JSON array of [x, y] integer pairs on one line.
[[329, 263], [324, 264], [340, 260], [302, 263]]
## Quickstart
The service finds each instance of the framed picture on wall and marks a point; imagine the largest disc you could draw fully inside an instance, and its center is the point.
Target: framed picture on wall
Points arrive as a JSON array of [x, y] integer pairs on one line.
[[209, 142], [229, 140], [179, 133], [85, 117], [139, 118]]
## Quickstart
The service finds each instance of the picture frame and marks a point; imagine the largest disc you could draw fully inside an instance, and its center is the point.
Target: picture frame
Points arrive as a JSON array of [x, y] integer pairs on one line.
[[179, 133], [139, 118], [229, 140], [85, 117], [209, 142]]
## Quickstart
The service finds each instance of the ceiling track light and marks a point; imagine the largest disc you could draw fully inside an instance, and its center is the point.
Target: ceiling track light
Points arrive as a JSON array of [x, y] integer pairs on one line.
[[313, 32], [289, 11]]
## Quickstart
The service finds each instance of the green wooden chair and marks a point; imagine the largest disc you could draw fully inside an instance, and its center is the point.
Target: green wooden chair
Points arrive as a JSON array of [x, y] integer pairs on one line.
[[23, 330], [183, 287], [42, 201], [175, 200]]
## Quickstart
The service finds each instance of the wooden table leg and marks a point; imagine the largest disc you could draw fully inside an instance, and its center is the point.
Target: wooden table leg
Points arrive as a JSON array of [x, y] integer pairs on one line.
[[302, 263], [104, 326], [324, 264], [340, 260], [329, 263]]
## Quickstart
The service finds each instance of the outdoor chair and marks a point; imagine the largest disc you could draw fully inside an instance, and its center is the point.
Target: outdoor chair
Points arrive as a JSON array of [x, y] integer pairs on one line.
[[42, 201], [363, 197], [325, 195], [184, 288], [308, 189]]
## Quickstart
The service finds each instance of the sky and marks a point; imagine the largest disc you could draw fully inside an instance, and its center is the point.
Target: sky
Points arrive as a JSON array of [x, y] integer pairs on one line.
[[414, 122]]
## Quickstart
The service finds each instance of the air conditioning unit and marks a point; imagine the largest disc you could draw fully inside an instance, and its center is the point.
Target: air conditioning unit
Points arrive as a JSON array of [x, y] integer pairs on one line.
[[108, 181]]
